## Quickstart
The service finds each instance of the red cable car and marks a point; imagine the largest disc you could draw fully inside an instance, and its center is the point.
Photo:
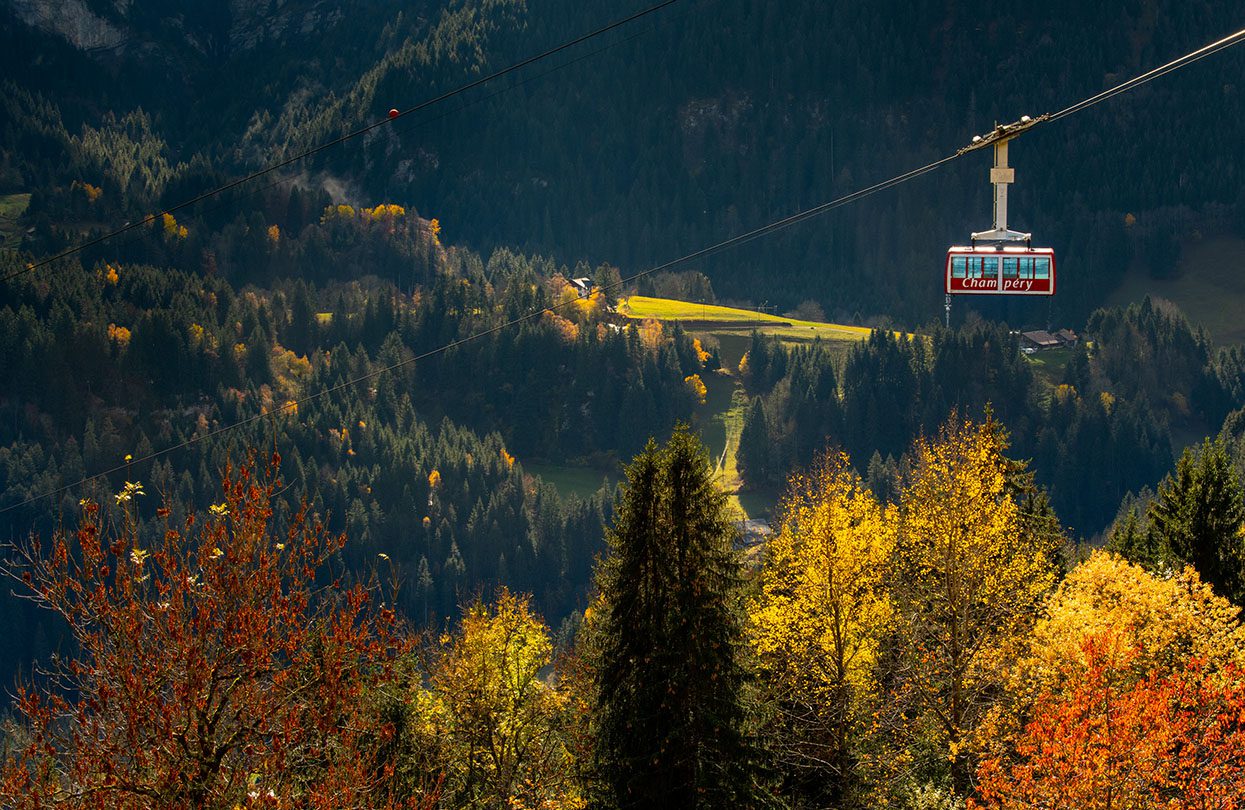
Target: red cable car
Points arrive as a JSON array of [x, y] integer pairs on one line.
[[1000, 261], [1000, 270]]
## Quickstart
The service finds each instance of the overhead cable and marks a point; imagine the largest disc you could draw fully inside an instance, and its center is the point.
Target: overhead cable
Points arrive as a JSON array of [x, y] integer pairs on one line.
[[702, 253]]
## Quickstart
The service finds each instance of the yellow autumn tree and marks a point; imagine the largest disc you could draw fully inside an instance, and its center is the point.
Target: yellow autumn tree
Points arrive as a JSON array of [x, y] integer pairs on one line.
[[652, 335], [172, 230], [119, 335], [590, 308], [337, 212], [1157, 625], [817, 623], [697, 387], [566, 329], [971, 572], [385, 211], [495, 724]]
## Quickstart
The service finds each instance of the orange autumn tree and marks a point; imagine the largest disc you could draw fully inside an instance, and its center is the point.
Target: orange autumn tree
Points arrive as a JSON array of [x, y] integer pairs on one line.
[[1111, 741], [1130, 695], [214, 666]]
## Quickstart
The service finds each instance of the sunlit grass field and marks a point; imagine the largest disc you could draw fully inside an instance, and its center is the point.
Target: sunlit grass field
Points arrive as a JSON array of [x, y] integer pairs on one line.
[[711, 318]]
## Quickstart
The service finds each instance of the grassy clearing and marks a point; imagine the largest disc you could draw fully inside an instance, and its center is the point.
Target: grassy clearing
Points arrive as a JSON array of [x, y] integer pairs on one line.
[[720, 425], [12, 206], [581, 482], [1210, 289], [712, 318], [1050, 364], [728, 419], [731, 421]]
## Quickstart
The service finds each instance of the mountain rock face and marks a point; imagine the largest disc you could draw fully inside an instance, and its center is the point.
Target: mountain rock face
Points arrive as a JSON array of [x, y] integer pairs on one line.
[[73, 20], [118, 26]]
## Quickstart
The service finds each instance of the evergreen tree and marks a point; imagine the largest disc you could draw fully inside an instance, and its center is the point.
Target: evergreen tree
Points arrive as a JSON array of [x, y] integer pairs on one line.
[[1199, 514], [754, 443], [669, 700]]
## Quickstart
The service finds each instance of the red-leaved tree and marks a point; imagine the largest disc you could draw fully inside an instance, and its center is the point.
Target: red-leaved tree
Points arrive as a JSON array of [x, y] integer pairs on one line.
[[212, 669], [1112, 741]]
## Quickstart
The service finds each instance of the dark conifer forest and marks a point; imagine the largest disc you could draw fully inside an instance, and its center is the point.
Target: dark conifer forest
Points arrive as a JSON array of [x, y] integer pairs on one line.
[[393, 477]]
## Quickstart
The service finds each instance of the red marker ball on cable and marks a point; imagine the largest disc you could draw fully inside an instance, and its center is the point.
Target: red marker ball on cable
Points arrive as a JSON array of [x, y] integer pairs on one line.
[[393, 113]]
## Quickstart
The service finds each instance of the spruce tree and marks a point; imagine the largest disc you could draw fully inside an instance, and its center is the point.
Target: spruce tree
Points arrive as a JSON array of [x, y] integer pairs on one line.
[[669, 702], [754, 444], [1199, 514], [1137, 541]]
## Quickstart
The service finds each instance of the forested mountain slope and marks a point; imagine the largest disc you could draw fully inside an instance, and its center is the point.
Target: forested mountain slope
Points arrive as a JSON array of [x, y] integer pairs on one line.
[[716, 116]]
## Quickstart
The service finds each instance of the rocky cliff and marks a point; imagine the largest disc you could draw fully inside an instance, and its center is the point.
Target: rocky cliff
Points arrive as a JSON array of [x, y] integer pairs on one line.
[[72, 20], [112, 27]]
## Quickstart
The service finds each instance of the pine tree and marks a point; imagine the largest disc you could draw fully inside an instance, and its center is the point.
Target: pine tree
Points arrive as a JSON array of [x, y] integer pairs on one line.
[[1134, 538], [754, 444], [1200, 514], [669, 703]]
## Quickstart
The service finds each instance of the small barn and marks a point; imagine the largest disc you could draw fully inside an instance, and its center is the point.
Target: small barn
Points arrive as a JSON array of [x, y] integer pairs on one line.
[[1067, 337], [1039, 340], [583, 286]]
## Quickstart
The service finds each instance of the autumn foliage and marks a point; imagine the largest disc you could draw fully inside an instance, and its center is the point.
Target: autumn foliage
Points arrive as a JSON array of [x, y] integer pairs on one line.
[[1130, 695], [486, 716], [819, 621], [970, 572], [217, 665], [1165, 741], [929, 652]]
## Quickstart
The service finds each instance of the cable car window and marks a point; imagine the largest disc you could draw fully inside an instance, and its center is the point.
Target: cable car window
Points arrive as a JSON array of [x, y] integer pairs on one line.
[[1010, 267], [1041, 267], [1026, 267], [991, 268], [958, 267]]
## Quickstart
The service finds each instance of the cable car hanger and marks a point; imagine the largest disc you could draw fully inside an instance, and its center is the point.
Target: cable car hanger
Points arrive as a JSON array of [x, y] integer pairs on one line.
[[1001, 176]]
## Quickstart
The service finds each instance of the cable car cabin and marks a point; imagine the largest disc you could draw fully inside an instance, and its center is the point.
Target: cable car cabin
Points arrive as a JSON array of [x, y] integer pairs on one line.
[[1000, 271]]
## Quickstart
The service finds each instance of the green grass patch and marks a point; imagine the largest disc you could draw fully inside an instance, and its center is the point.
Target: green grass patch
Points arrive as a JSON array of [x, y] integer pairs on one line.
[[12, 206], [569, 480], [1050, 364], [715, 319], [1210, 288], [729, 422], [711, 419]]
